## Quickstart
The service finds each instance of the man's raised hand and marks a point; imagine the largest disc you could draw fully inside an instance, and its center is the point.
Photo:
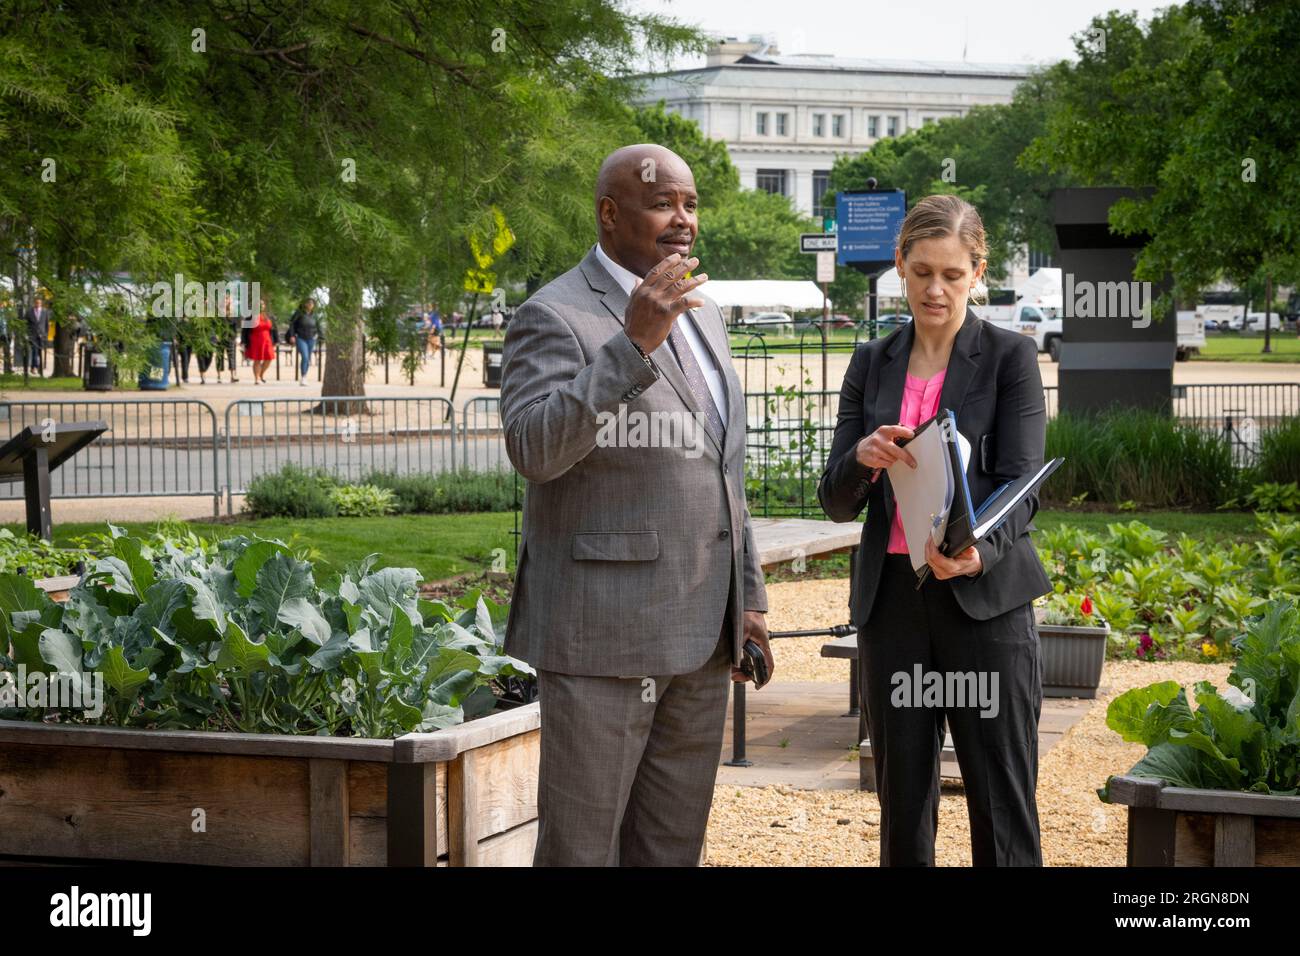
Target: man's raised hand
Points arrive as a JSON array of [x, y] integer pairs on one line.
[[663, 295]]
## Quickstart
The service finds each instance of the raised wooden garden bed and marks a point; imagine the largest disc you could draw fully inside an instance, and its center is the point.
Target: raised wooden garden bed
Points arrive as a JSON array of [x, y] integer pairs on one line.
[[1179, 826], [462, 796]]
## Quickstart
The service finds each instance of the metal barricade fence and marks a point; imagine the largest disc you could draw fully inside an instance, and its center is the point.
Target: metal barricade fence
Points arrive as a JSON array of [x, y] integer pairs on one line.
[[349, 436], [787, 439], [482, 437], [156, 447]]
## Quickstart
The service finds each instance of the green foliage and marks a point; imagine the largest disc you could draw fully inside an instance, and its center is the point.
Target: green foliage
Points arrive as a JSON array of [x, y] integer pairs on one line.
[[1142, 457], [243, 637], [1269, 496], [449, 491], [293, 492], [1183, 598], [362, 501], [37, 557], [1245, 738], [973, 156], [1279, 453], [1191, 104]]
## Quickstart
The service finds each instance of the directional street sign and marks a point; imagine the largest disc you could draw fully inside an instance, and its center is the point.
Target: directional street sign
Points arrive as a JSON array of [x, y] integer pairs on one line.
[[817, 242]]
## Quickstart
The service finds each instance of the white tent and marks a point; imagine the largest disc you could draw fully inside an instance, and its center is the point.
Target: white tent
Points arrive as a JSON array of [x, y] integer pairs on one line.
[[1042, 288], [780, 295], [890, 285]]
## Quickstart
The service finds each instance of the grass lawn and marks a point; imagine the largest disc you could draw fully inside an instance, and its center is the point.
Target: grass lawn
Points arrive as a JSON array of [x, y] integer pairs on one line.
[[440, 546], [1235, 347], [35, 383]]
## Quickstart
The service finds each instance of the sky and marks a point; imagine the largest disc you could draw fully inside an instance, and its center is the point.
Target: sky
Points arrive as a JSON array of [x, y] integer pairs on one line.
[[996, 31]]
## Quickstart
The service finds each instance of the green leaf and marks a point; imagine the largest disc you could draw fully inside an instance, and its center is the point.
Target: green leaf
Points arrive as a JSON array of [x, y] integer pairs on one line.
[[250, 562], [63, 653], [1127, 713], [206, 606], [240, 654], [139, 569], [280, 579], [300, 613], [121, 676], [17, 593]]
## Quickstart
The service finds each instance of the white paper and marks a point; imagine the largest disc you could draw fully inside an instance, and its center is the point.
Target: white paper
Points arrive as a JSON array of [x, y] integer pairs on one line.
[[926, 492]]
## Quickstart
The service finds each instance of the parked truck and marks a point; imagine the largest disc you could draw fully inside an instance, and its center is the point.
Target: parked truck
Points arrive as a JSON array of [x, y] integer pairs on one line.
[[1043, 324]]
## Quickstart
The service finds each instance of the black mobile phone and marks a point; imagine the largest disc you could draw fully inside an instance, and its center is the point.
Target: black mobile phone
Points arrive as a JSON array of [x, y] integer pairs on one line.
[[753, 664]]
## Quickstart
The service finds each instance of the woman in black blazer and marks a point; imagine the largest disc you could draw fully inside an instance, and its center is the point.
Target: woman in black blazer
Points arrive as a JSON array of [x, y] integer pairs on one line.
[[964, 646]]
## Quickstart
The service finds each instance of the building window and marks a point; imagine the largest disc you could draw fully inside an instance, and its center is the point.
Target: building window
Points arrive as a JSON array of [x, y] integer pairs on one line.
[[823, 204], [819, 124], [770, 180], [891, 128], [837, 125], [1039, 260], [780, 123], [873, 127], [760, 124]]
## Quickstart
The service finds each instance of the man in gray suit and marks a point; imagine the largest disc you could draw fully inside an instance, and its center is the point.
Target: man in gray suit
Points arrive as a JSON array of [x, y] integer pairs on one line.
[[637, 578]]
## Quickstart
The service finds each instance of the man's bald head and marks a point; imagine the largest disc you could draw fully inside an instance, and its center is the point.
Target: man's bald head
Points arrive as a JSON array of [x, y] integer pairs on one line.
[[645, 206]]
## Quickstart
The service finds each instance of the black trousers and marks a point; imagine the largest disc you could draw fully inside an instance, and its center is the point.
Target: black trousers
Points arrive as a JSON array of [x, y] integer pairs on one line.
[[923, 659]]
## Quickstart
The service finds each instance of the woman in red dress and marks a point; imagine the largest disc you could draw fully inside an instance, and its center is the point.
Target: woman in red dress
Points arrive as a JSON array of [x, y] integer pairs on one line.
[[261, 351]]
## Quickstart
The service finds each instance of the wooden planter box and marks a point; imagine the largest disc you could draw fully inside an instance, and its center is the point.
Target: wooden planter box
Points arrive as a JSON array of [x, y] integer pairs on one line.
[[1178, 826], [1072, 659], [463, 796]]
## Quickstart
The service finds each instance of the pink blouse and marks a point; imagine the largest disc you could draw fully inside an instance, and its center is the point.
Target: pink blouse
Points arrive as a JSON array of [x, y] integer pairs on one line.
[[920, 403]]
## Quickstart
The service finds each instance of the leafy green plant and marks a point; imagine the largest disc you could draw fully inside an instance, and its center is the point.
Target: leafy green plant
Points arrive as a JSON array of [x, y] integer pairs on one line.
[[1186, 598], [448, 492], [362, 501], [292, 492], [1279, 453], [241, 636], [37, 557], [1247, 738]]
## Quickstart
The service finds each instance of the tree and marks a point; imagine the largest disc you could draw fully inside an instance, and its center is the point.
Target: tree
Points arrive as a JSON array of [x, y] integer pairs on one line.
[[1194, 105], [973, 156]]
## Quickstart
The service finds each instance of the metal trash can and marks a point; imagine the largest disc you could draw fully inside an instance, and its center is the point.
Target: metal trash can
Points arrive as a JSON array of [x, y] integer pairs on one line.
[[492, 364], [96, 372], [157, 377]]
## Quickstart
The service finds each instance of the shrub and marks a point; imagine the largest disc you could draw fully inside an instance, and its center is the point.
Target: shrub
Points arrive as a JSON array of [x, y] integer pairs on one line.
[[448, 491], [1279, 454], [1139, 456], [362, 501], [292, 492]]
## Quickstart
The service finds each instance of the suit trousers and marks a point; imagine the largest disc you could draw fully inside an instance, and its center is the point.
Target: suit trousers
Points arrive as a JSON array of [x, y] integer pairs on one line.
[[628, 764], [989, 680]]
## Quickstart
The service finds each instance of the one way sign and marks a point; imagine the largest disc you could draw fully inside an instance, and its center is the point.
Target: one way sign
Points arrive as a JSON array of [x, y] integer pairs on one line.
[[817, 242]]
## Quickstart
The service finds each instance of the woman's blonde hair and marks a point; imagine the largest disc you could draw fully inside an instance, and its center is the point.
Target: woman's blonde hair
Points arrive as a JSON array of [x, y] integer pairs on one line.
[[936, 217]]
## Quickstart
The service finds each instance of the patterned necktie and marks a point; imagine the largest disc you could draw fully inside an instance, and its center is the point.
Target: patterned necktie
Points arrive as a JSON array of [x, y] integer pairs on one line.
[[695, 377], [685, 355]]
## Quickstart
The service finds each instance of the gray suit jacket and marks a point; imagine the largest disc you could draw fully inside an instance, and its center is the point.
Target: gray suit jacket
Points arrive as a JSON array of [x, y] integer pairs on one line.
[[630, 557], [994, 388]]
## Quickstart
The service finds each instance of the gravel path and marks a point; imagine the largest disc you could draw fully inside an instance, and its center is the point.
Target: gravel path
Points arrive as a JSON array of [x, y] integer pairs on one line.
[[781, 826]]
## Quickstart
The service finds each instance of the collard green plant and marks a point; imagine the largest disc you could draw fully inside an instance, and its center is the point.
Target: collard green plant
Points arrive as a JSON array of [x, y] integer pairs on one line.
[[1245, 738], [241, 636]]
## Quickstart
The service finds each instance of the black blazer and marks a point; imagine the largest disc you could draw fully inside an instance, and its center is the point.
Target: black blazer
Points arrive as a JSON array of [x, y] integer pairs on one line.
[[994, 388]]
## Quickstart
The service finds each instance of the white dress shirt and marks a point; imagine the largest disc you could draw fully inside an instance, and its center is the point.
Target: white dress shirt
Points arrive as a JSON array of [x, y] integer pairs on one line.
[[712, 377]]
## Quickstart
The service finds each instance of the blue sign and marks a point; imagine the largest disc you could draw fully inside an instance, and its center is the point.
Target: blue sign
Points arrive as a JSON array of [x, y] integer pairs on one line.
[[868, 225]]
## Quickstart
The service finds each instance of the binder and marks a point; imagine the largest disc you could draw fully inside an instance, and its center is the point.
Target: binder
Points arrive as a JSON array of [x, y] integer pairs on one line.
[[934, 499]]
